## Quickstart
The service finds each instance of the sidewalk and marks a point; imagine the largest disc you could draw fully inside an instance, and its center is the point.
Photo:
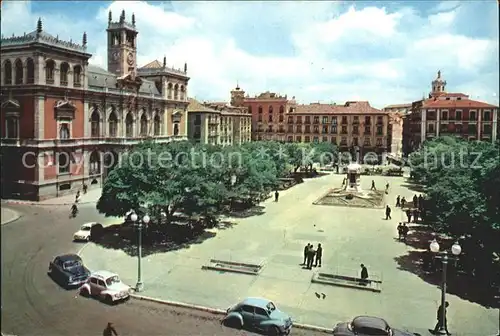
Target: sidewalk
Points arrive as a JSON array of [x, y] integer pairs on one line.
[[91, 196], [9, 215]]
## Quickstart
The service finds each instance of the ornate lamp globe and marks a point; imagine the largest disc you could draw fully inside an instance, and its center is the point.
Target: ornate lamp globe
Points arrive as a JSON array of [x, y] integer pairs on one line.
[[456, 249], [434, 246], [146, 219], [133, 217]]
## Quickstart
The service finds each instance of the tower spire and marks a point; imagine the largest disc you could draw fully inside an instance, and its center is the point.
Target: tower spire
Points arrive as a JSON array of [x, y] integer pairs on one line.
[[110, 17], [39, 25], [122, 17], [84, 40], [133, 19], [185, 67], [164, 61]]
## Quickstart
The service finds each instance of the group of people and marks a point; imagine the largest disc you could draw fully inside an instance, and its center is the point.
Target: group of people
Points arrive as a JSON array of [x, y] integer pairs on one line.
[[312, 256], [403, 231], [74, 207]]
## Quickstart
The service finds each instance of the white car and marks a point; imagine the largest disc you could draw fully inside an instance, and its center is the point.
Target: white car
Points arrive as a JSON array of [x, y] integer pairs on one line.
[[107, 286], [84, 233]]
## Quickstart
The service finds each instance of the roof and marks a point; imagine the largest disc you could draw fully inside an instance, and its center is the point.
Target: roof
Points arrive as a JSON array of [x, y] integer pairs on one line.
[[69, 257], [350, 107], [153, 65], [256, 302], [102, 78], [408, 105], [370, 321], [103, 274], [196, 106], [455, 103], [43, 38]]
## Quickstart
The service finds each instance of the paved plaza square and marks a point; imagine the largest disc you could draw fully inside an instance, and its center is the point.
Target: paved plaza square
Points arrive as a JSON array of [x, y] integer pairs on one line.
[[349, 236]]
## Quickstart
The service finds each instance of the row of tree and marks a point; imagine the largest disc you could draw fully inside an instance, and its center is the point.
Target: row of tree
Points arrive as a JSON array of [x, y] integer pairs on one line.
[[462, 182], [201, 180]]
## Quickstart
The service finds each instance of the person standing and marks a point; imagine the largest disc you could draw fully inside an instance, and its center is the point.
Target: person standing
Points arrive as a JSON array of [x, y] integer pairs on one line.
[[373, 185], [306, 251], [84, 188], [364, 275], [403, 202], [415, 201], [387, 212], [420, 202], [398, 201], [408, 214], [319, 255], [415, 215], [276, 195], [310, 256], [441, 318], [400, 231], [109, 330], [404, 231]]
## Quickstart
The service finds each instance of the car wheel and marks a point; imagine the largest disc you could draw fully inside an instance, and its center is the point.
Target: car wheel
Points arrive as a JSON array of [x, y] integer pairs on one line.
[[108, 300], [87, 239], [84, 292], [233, 322], [273, 331]]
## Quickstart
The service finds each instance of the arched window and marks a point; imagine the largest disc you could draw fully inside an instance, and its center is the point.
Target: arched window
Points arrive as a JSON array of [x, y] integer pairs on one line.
[[176, 92], [129, 125], [144, 124], [176, 128], [19, 71], [157, 125], [12, 127], [30, 68], [50, 65], [182, 97], [270, 109], [95, 123], [64, 73], [250, 109], [260, 109], [7, 68], [95, 163], [282, 109], [77, 76], [64, 132], [113, 123], [169, 90]]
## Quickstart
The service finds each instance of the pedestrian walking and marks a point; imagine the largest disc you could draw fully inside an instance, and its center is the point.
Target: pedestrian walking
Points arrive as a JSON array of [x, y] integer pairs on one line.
[[404, 231], [84, 188], [77, 196], [319, 255], [415, 215], [364, 275], [373, 185], [400, 231], [420, 202], [306, 250], [387, 212], [408, 214], [387, 187], [310, 256], [109, 330], [398, 201], [403, 202], [276, 195], [415, 201], [441, 319]]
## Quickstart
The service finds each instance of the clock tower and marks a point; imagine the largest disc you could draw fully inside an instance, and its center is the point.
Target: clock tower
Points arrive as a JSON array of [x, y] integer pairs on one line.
[[122, 45]]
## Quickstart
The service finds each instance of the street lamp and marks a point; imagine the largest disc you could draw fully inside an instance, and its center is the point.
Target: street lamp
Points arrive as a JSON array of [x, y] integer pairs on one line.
[[145, 220], [233, 179], [456, 249]]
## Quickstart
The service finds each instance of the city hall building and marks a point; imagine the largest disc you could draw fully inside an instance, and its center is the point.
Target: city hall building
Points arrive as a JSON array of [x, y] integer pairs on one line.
[[65, 122]]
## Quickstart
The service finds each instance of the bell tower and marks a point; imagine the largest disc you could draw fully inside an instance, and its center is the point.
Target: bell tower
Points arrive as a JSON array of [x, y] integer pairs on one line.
[[122, 45], [438, 86], [237, 96]]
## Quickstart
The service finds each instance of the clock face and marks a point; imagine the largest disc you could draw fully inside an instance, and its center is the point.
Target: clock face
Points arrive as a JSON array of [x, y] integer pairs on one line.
[[116, 56], [130, 58]]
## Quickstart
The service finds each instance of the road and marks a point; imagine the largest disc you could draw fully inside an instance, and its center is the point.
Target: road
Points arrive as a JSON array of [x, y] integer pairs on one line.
[[32, 304]]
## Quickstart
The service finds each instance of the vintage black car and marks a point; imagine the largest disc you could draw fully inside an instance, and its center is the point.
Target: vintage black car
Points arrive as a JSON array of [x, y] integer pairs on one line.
[[68, 270], [368, 326]]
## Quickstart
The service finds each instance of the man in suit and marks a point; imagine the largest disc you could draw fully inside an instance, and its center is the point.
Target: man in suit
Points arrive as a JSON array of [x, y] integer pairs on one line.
[[319, 254]]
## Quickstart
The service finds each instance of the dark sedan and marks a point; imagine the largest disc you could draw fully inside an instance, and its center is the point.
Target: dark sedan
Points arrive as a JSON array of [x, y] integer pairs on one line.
[[68, 270], [368, 326]]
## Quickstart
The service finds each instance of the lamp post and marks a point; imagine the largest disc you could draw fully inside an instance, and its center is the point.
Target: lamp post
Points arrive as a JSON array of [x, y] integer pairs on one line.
[[233, 180], [456, 249], [145, 220]]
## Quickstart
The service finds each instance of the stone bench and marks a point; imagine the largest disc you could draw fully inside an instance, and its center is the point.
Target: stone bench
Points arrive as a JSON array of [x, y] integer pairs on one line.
[[232, 266], [372, 285]]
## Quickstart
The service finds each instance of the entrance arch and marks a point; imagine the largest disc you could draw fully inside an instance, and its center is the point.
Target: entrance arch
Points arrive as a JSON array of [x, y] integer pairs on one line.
[[95, 163]]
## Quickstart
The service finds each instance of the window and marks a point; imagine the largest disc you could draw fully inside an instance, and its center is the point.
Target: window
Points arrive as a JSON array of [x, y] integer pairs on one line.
[[431, 128], [431, 115], [298, 138], [354, 141], [333, 140], [344, 129], [307, 139], [270, 128], [299, 128], [176, 91], [316, 119], [95, 163], [259, 118], [444, 115], [11, 127], [64, 73], [299, 120], [367, 120], [7, 68], [64, 132], [129, 125], [344, 120], [49, 71], [308, 129], [290, 128], [77, 76], [112, 124], [144, 124], [315, 139], [95, 124], [270, 118], [472, 115], [355, 129], [343, 141], [316, 129], [324, 139], [308, 120], [290, 138], [356, 120], [487, 129], [290, 120], [487, 116], [197, 119], [379, 130], [281, 118], [367, 129], [260, 311], [270, 110], [380, 120], [30, 69], [250, 109], [176, 129], [282, 109], [63, 162], [19, 71], [458, 115], [156, 124], [324, 120], [459, 128], [333, 129], [325, 129], [260, 109], [334, 120], [379, 141], [367, 142]]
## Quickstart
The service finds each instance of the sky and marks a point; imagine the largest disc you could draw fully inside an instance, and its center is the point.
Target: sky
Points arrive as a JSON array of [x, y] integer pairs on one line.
[[318, 51]]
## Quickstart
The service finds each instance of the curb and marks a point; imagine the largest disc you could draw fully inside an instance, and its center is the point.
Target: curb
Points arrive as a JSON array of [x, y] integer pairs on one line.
[[216, 311], [13, 219], [43, 204]]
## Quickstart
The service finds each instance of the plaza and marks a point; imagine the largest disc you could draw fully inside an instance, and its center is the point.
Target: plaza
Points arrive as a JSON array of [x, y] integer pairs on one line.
[[349, 236]]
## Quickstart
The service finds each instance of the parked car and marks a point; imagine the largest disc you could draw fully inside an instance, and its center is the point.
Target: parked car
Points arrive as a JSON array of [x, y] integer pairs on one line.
[[368, 326], [260, 314], [106, 286], [68, 270], [88, 231]]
